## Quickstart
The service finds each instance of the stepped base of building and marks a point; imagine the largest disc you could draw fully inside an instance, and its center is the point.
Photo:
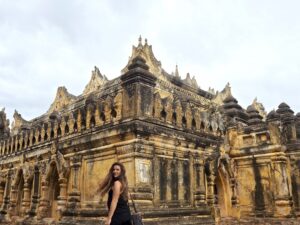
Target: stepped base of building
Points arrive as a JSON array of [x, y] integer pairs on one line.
[[171, 220]]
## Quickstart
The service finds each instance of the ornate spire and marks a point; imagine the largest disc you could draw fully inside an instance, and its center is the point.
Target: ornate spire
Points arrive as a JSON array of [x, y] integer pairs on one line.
[[284, 108], [4, 125], [254, 117], [140, 42], [221, 96], [62, 99], [234, 110], [194, 82], [145, 52], [19, 123], [188, 79], [97, 80], [260, 108], [273, 115], [176, 71]]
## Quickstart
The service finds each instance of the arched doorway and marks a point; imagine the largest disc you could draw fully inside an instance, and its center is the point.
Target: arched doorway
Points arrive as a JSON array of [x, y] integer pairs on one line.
[[223, 193], [54, 191]]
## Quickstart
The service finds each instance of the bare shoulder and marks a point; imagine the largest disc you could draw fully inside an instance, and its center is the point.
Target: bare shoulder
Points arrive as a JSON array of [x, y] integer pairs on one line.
[[117, 185]]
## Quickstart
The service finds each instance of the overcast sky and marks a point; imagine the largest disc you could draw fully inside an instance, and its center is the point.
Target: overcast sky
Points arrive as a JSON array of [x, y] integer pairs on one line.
[[254, 45]]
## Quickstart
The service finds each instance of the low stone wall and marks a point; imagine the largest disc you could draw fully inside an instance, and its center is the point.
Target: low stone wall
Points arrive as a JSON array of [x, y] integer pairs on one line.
[[259, 221]]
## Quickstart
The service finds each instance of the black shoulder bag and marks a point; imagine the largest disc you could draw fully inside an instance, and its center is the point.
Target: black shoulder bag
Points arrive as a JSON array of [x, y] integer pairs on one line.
[[136, 217]]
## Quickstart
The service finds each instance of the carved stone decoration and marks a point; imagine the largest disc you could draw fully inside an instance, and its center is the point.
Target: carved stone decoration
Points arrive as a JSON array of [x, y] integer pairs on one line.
[[191, 82], [222, 95], [158, 107], [43, 207], [143, 174], [97, 81], [117, 106], [58, 163], [145, 51], [16, 178], [130, 90], [19, 123], [4, 125], [63, 98], [28, 173], [75, 195], [63, 166], [227, 167], [205, 120], [260, 108]]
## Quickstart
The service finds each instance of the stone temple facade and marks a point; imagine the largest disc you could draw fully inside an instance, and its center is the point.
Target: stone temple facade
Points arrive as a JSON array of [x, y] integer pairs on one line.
[[192, 156]]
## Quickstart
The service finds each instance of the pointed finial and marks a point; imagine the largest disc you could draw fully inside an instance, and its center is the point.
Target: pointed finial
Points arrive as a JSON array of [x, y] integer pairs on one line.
[[176, 71], [194, 82], [146, 41], [255, 100], [140, 40]]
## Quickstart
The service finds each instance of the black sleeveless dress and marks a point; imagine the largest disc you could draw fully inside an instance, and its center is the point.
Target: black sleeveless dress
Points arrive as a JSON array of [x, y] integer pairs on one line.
[[121, 215]]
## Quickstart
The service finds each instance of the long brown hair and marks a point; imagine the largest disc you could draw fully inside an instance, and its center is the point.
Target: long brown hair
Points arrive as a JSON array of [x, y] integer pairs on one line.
[[108, 181]]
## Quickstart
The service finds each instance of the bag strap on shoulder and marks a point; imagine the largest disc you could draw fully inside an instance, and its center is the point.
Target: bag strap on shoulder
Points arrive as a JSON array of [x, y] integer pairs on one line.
[[133, 204]]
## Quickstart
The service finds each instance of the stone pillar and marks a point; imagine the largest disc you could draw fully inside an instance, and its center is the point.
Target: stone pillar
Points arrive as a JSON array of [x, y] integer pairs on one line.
[[71, 123], [48, 131], [174, 182], [43, 209], [2, 188], [62, 198], [75, 195], [79, 120], [118, 103], [234, 200], [35, 195], [43, 206], [186, 166], [168, 178], [13, 201], [156, 170], [98, 121], [42, 135], [16, 144], [11, 145], [55, 127], [31, 135], [180, 182], [282, 191], [199, 194], [26, 198], [6, 199], [191, 176], [88, 117], [210, 189], [63, 126], [188, 116]]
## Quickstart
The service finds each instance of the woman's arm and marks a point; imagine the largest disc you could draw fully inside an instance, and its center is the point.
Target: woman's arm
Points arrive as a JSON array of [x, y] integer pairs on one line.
[[114, 202]]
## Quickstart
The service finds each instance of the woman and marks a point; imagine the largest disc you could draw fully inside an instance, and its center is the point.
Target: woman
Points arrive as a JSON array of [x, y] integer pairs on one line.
[[115, 183]]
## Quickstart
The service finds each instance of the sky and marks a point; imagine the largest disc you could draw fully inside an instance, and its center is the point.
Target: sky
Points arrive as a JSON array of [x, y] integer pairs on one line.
[[252, 44]]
